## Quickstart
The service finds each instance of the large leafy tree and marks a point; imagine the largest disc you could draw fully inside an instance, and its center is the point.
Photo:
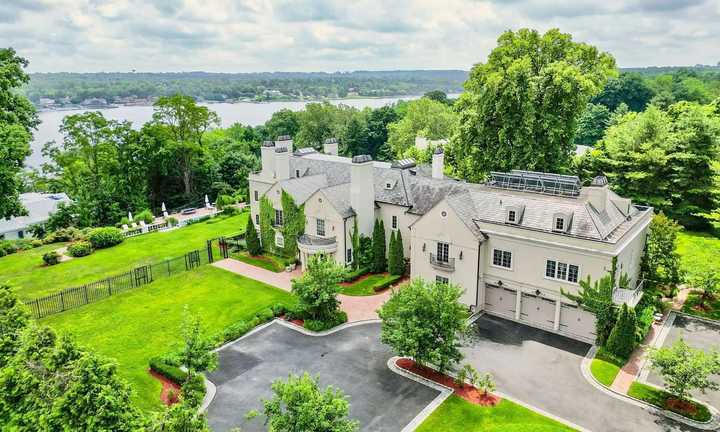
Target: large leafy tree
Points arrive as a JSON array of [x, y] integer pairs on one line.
[[685, 369], [17, 120], [186, 122], [661, 263], [378, 121], [592, 124], [425, 320], [283, 122], [520, 108], [629, 89], [318, 287], [423, 117], [317, 123], [14, 318], [298, 404]]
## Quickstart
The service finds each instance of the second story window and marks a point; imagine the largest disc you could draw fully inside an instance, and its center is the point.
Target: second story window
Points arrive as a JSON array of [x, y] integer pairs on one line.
[[257, 198], [559, 224], [394, 222], [502, 258], [443, 252], [562, 271], [320, 227], [278, 217]]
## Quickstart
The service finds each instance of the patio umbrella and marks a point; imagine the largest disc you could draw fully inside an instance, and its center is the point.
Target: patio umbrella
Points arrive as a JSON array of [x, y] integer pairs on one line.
[[130, 218], [207, 201]]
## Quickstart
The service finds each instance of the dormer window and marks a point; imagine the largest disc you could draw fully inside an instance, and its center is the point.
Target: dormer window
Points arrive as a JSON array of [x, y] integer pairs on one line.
[[511, 216], [297, 173], [560, 224]]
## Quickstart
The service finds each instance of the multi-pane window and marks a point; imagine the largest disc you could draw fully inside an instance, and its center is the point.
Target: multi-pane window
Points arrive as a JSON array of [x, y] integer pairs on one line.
[[257, 219], [320, 227], [442, 279], [297, 173], [511, 215], [257, 196], [394, 222], [278, 217], [348, 256], [502, 258], [443, 252], [560, 224], [562, 271]]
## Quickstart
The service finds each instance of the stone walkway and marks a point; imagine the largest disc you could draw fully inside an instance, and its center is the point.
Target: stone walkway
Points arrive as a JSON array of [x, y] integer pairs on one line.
[[631, 370], [358, 308]]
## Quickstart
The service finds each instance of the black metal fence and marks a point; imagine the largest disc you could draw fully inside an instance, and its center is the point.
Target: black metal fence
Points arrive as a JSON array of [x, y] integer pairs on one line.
[[94, 291]]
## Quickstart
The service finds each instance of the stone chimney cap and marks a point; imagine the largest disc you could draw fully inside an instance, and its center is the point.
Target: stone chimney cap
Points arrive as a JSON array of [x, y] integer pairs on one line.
[[599, 181], [281, 149], [268, 144], [438, 150], [331, 141], [284, 138], [361, 159]]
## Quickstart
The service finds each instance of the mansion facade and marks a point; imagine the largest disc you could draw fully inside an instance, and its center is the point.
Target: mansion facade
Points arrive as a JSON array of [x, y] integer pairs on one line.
[[511, 243]]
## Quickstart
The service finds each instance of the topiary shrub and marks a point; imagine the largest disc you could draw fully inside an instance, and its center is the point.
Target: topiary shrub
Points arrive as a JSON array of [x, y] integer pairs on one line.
[[106, 237], [145, 216], [621, 341], [51, 258], [265, 315], [37, 243], [80, 249], [320, 325]]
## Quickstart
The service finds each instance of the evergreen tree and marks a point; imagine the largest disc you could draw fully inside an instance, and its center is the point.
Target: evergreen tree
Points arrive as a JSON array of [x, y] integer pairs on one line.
[[378, 247], [392, 255], [622, 337], [399, 254], [355, 239], [251, 238]]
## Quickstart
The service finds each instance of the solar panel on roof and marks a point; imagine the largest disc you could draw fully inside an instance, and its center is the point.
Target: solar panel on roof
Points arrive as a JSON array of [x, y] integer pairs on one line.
[[531, 181]]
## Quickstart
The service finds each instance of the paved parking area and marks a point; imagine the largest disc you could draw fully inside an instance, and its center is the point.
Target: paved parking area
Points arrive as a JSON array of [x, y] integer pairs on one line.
[[697, 333], [543, 369], [352, 359]]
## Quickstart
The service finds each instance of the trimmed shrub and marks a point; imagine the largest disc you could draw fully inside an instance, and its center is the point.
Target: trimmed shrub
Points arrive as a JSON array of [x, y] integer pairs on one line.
[[645, 318], [621, 341], [145, 216], [64, 235], [279, 309], [80, 249], [351, 275], [2, 252], [7, 247], [251, 239], [51, 258], [230, 211], [193, 390], [169, 371], [37, 243], [320, 325], [224, 201], [386, 283], [105, 237], [265, 315]]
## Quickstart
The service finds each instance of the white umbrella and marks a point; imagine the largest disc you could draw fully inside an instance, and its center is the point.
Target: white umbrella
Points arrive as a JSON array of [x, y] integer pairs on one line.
[[207, 201], [130, 217], [163, 207]]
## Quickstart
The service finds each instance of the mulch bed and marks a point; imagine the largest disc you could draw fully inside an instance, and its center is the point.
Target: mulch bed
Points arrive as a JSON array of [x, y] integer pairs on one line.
[[467, 392], [681, 406], [297, 322], [167, 386]]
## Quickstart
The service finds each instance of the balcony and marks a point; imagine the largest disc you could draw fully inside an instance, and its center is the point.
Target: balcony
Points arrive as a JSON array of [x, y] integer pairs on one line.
[[631, 297], [312, 244], [448, 265]]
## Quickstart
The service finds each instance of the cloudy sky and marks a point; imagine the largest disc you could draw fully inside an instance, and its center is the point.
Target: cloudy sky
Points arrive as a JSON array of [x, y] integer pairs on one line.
[[327, 35]]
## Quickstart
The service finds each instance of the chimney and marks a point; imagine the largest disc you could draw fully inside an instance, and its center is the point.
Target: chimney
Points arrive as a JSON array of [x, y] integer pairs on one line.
[[282, 163], [362, 193], [267, 158], [285, 141], [330, 147], [597, 193], [438, 163]]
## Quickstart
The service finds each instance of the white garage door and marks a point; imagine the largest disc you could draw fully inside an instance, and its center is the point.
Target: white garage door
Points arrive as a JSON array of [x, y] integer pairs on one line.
[[500, 301], [537, 311], [577, 322]]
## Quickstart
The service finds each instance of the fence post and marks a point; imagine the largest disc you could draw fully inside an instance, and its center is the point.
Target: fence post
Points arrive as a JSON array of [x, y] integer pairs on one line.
[[209, 251], [151, 275], [62, 300], [109, 284], [37, 307], [86, 296]]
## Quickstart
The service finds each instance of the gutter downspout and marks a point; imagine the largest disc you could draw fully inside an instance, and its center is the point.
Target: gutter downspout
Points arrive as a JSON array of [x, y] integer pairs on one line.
[[477, 280]]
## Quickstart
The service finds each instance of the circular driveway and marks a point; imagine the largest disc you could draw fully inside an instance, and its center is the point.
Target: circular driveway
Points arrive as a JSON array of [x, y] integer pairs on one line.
[[353, 360]]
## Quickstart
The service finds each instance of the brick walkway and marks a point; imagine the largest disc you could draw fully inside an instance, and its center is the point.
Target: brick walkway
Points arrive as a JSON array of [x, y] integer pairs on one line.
[[358, 308], [630, 371]]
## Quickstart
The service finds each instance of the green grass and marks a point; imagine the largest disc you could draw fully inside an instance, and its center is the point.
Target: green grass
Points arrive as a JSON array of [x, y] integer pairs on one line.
[[268, 262], [136, 325], [366, 287], [711, 309], [605, 367], [699, 252], [658, 397], [24, 270], [457, 414]]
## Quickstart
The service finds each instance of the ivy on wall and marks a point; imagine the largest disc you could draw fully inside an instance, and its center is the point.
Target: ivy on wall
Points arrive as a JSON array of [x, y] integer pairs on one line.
[[267, 233], [293, 224]]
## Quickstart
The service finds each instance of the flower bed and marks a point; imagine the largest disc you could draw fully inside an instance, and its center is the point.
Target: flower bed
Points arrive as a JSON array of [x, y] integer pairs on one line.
[[664, 400], [170, 392], [465, 391]]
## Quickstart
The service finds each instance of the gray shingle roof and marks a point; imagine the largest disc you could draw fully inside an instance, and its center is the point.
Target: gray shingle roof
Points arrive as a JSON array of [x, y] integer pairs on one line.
[[302, 188]]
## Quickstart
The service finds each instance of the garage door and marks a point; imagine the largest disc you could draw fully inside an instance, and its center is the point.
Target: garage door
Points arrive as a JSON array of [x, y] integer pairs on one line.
[[500, 301], [537, 311], [577, 322]]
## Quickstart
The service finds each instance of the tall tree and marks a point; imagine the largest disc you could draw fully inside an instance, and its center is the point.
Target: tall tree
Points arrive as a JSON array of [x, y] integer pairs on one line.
[[378, 121], [196, 353], [187, 122], [17, 120], [423, 117], [251, 237], [318, 287], [283, 122], [661, 263], [520, 108], [592, 124], [621, 341], [629, 89], [378, 247], [597, 298]]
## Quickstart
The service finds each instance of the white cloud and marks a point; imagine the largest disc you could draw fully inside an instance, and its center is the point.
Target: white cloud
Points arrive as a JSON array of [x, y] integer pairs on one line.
[[329, 35]]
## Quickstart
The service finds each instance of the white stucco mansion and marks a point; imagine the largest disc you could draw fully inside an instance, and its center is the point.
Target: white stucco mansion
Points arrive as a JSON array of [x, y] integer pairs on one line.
[[511, 243]]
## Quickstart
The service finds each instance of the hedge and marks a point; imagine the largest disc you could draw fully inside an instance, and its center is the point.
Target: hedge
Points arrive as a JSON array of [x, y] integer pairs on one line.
[[352, 275], [169, 371], [51, 258], [390, 280], [80, 249], [105, 237], [320, 325]]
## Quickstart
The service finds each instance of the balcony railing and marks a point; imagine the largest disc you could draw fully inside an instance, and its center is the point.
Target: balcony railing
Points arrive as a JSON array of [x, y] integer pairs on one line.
[[629, 296], [447, 264]]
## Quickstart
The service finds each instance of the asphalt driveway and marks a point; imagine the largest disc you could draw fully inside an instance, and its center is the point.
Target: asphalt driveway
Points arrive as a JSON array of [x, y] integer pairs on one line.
[[543, 369], [696, 333], [353, 360]]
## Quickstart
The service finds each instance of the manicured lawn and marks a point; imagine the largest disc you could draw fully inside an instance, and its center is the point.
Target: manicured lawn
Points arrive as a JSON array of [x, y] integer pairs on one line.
[[658, 397], [605, 367], [268, 262], [699, 252], [136, 325], [710, 310], [457, 414], [366, 287], [31, 279]]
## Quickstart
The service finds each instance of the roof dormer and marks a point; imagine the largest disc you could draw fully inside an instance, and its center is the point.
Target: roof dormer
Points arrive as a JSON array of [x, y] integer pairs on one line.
[[514, 214], [561, 222]]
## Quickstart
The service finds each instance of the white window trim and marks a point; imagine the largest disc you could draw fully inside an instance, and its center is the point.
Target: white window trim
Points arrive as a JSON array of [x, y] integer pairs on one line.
[[447, 279], [512, 259], [557, 261], [394, 221], [324, 226]]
